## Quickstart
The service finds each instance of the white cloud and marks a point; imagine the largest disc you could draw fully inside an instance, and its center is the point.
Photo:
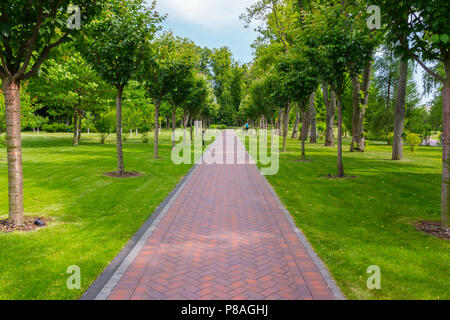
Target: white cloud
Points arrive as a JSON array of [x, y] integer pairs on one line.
[[209, 14]]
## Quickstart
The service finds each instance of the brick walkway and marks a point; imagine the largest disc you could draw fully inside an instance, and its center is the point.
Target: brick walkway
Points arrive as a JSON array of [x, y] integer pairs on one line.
[[225, 236]]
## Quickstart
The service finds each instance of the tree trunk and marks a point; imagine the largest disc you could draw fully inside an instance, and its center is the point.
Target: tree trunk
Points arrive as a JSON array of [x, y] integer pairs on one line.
[[446, 147], [340, 163], [120, 166], [191, 129], [356, 110], [331, 111], [80, 115], [287, 110], [330, 104], [364, 104], [174, 125], [156, 136], [312, 113], [400, 110], [75, 127], [303, 133], [280, 120], [296, 124], [11, 91]]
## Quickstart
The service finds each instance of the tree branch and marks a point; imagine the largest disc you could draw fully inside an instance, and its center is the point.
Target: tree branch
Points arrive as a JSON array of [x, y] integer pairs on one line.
[[41, 58]]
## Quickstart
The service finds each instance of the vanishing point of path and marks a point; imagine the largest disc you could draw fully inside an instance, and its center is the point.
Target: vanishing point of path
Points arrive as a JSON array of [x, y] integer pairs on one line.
[[224, 235]]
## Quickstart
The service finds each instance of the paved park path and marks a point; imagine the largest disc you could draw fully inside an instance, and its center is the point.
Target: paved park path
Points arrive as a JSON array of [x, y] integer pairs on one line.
[[224, 235]]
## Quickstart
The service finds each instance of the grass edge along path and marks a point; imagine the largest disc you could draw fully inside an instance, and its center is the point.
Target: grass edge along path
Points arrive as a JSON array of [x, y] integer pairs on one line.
[[369, 220], [93, 216]]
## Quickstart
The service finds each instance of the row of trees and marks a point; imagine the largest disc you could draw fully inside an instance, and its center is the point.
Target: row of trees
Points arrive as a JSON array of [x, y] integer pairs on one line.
[[361, 67], [121, 54]]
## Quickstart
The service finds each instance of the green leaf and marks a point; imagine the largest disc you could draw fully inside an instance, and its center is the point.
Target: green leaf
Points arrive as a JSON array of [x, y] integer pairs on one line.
[[444, 38]]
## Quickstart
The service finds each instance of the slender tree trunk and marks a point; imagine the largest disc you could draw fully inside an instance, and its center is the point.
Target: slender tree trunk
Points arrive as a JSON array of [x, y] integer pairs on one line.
[[446, 147], [312, 112], [303, 133], [80, 115], [191, 129], [157, 103], [280, 120], [174, 125], [356, 108], [296, 124], [11, 91], [340, 163], [120, 166], [287, 110], [75, 127], [364, 104], [400, 110], [331, 110]]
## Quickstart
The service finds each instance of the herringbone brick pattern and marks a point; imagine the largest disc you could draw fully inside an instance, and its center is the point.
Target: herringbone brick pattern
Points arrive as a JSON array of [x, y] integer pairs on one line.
[[224, 237]]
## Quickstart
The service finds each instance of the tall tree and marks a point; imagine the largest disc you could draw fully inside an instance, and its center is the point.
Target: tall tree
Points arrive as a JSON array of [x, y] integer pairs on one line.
[[115, 46], [28, 34], [337, 44], [421, 28]]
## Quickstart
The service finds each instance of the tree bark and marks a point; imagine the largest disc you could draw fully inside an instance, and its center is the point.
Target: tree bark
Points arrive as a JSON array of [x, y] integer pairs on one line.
[[174, 125], [120, 166], [287, 110], [356, 110], [191, 129], [446, 147], [296, 124], [330, 104], [156, 136], [340, 163], [75, 127], [400, 110], [80, 116], [11, 91], [367, 73], [312, 118], [280, 120], [303, 133]]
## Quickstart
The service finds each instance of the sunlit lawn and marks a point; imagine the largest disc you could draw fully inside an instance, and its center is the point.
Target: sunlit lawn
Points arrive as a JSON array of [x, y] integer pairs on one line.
[[354, 223], [93, 216]]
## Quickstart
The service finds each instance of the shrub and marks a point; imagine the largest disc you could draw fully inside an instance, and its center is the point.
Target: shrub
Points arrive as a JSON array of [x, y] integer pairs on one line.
[[218, 126], [56, 127], [104, 125], [144, 129], [413, 140], [390, 138]]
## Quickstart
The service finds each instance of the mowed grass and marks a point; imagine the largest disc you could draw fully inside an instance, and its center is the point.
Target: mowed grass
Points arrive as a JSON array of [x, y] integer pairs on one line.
[[93, 216], [355, 223]]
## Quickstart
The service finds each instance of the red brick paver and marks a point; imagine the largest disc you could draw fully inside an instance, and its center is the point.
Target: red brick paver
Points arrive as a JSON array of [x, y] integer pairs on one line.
[[224, 237]]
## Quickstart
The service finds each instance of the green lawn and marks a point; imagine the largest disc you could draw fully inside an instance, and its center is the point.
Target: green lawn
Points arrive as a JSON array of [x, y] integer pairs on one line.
[[355, 223], [93, 215]]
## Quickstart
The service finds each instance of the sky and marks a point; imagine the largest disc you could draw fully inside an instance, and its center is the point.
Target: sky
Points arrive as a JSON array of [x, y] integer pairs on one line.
[[216, 23], [211, 23]]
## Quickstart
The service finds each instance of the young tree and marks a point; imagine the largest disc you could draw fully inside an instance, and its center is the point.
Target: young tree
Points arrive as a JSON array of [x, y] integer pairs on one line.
[[28, 34], [300, 80], [163, 70], [336, 44], [115, 46], [69, 83]]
